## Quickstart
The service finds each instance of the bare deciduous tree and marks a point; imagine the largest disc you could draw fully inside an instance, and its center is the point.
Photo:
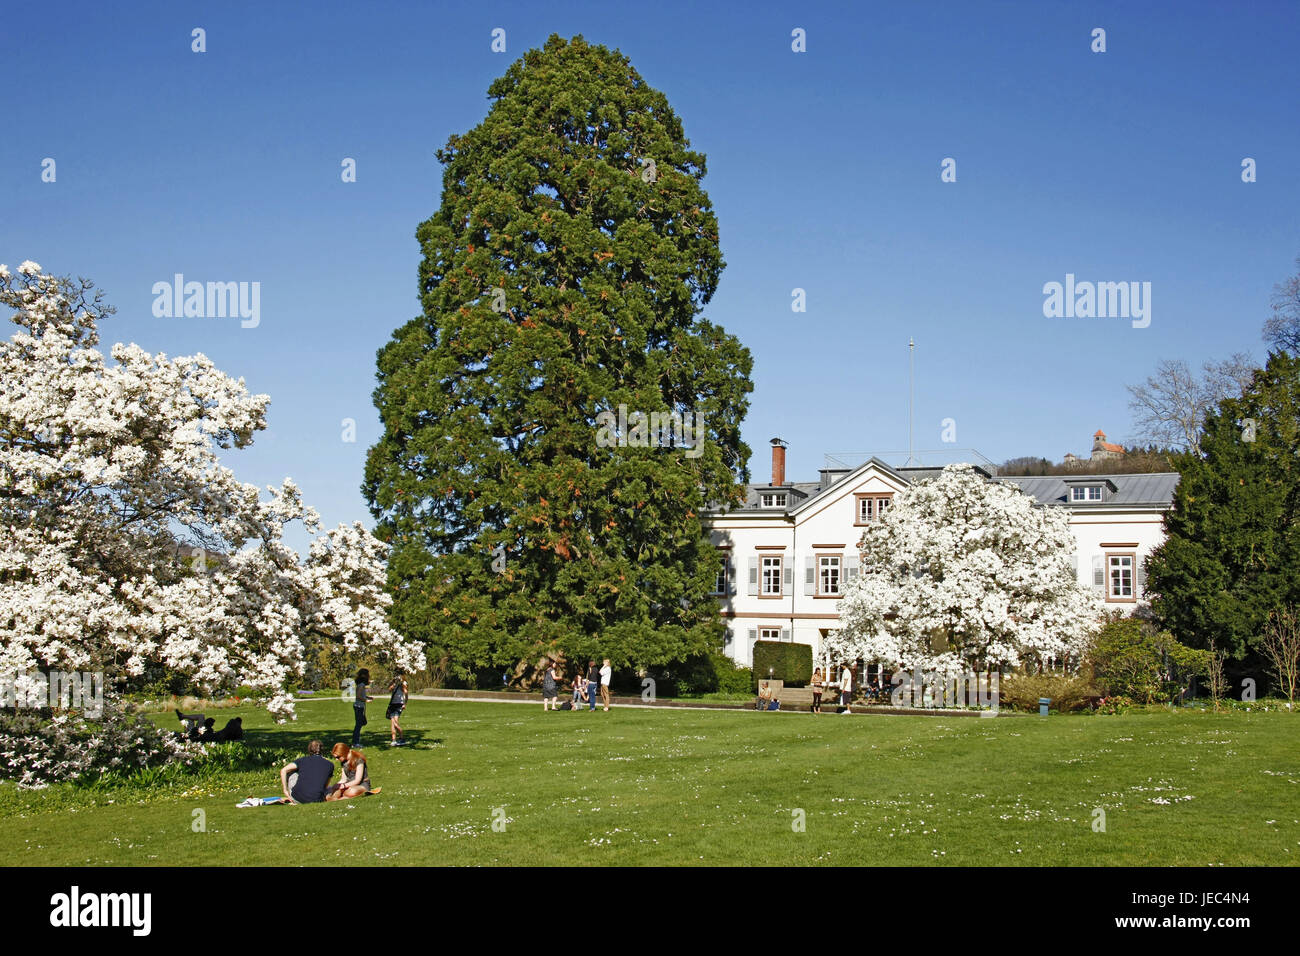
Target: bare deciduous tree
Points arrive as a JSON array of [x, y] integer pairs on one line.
[[1215, 678], [1282, 331], [1281, 645], [1170, 408]]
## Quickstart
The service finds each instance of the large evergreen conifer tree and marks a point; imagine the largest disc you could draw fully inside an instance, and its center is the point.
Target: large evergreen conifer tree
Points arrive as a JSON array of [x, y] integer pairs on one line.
[[1232, 551], [564, 274]]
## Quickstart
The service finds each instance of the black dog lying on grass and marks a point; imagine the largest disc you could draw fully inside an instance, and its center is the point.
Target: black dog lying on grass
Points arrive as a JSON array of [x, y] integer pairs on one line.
[[234, 729]]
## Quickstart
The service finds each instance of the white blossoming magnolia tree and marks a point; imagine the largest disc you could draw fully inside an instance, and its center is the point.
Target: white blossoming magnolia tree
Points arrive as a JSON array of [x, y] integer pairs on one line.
[[964, 573], [105, 469]]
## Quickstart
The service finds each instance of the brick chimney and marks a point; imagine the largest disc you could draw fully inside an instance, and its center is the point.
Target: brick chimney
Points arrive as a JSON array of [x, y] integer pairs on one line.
[[778, 462]]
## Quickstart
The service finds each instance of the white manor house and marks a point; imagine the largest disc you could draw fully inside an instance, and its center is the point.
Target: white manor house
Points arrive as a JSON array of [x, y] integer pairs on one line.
[[792, 548]]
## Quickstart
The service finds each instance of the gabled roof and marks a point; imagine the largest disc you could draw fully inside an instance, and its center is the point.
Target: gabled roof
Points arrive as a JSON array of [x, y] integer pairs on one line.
[[825, 488], [1130, 491], [806, 493], [1154, 490]]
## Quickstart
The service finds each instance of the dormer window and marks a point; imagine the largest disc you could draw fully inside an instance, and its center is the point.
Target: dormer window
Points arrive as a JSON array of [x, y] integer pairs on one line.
[[773, 500], [1094, 490]]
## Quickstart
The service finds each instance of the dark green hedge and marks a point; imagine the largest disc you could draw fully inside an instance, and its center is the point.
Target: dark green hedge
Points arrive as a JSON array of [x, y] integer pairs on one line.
[[709, 673], [789, 662]]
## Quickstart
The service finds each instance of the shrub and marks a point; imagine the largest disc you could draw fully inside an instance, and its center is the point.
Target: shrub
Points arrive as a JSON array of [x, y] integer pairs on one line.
[[1131, 658], [1114, 705], [1022, 691], [38, 748], [710, 673], [789, 662], [732, 677], [212, 761]]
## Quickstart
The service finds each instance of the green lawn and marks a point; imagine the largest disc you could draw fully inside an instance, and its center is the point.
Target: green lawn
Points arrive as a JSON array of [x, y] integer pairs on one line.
[[640, 786]]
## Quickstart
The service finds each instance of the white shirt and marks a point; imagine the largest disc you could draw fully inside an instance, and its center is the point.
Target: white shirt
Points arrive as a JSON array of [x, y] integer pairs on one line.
[[846, 680], [606, 673]]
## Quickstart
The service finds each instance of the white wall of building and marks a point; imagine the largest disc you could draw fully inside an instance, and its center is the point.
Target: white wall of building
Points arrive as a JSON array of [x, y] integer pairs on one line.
[[827, 527]]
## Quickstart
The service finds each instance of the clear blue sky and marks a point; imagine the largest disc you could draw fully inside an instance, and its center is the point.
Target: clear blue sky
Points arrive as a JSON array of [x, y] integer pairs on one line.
[[823, 169]]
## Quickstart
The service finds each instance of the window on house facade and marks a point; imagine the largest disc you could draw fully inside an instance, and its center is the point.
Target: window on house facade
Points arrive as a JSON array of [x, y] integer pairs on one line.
[[871, 507], [828, 574], [1119, 585], [1085, 493], [721, 584], [773, 500], [771, 576], [769, 633]]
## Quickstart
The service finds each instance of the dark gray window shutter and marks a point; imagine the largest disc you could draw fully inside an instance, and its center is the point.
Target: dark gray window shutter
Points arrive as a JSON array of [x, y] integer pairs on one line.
[[753, 636], [1099, 573], [850, 569], [1141, 575], [809, 575], [785, 634], [787, 577], [753, 576], [730, 567]]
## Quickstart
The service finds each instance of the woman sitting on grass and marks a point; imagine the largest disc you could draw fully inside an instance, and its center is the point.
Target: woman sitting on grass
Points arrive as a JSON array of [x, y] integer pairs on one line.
[[356, 775], [579, 690]]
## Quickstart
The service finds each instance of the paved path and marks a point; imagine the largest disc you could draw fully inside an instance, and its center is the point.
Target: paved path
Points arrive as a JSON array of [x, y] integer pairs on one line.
[[506, 697]]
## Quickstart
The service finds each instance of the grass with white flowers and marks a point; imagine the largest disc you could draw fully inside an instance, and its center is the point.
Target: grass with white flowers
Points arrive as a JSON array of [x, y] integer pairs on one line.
[[642, 786]]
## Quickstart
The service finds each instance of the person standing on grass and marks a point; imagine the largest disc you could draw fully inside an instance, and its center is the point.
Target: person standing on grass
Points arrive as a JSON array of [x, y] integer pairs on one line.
[[550, 687], [817, 684], [359, 705], [396, 704], [304, 780], [846, 688], [593, 683], [606, 674]]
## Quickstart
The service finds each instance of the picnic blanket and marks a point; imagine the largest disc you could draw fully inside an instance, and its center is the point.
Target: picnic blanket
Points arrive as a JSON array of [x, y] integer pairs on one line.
[[269, 801]]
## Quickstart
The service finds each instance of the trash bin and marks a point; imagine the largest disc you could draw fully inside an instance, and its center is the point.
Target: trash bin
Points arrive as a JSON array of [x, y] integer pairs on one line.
[[1042, 706]]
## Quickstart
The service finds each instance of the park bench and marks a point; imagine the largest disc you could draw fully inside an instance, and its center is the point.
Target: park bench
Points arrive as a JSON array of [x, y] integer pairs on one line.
[[801, 698], [797, 698], [777, 688]]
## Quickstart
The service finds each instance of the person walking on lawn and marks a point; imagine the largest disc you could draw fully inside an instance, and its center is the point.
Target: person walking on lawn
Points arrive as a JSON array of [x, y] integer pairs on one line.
[[396, 704], [846, 688], [359, 705]]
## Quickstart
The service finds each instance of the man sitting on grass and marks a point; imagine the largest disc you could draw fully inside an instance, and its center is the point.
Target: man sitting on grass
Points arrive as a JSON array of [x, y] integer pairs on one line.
[[310, 776]]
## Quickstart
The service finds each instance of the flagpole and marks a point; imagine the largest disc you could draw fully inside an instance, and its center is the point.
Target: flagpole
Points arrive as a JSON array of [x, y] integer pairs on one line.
[[911, 394]]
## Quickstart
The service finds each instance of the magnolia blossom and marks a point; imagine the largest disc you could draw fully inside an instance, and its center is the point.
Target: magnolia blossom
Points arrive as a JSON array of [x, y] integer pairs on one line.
[[964, 573], [105, 470]]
